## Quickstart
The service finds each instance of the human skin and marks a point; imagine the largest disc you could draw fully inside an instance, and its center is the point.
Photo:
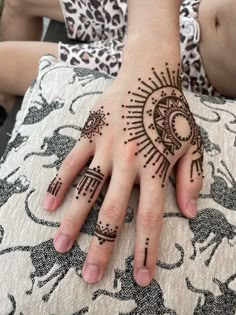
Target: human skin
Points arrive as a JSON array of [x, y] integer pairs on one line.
[[218, 43], [147, 96]]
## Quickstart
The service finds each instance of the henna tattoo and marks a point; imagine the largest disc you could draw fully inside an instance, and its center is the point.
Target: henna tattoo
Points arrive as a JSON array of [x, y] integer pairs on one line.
[[104, 233], [159, 120], [146, 252], [94, 124], [55, 185], [89, 183]]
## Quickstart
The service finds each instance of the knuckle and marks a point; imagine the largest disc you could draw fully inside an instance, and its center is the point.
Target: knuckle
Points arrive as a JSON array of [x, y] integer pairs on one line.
[[69, 162], [113, 211], [129, 154], [151, 219], [69, 225]]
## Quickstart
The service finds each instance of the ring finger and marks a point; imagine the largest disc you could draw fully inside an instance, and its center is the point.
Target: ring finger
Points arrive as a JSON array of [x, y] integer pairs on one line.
[[109, 223]]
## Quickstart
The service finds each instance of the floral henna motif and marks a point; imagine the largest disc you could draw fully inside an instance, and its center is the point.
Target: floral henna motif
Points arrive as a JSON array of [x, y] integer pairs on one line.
[[159, 120], [94, 124]]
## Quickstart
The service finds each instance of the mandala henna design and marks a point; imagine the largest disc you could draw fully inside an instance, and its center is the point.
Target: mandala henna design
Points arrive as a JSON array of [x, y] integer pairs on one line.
[[146, 252], [105, 233], [153, 120], [94, 124], [89, 183], [55, 185]]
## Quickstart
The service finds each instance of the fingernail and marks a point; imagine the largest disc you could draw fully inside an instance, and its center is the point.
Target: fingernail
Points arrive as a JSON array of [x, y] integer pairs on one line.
[[143, 277], [62, 243], [48, 202], [192, 208], [91, 273]]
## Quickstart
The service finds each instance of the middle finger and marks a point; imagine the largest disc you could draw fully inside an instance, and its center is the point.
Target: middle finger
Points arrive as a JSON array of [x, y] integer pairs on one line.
[[111, 217]]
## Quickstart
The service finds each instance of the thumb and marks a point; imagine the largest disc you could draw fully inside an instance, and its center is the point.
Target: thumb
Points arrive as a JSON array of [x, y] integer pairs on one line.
[[189, 182]]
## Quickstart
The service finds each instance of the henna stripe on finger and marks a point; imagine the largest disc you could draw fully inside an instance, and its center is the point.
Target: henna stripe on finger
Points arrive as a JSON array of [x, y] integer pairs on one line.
[[55, 186], [146, 252], [89, 183], [105, 233], [94, 124]]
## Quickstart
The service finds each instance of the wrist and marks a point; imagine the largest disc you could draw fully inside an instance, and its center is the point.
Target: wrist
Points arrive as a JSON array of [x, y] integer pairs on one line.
[[139, 58]]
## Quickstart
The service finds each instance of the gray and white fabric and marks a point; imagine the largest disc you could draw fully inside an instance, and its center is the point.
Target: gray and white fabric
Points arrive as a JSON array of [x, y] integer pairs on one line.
[[195, 272]]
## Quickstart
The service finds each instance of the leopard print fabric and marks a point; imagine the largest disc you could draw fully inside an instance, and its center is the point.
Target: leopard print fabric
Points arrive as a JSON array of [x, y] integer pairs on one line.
[[100, 26], [194, 77]]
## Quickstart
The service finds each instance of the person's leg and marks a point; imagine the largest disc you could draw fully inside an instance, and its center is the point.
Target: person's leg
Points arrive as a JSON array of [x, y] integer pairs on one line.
[[22, 19], [19, 64]]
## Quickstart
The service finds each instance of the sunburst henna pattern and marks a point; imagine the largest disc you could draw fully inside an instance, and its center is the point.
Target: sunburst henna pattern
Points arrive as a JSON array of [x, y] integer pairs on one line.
[[105, 233], [94, 124], [153, 120], [89, 183]]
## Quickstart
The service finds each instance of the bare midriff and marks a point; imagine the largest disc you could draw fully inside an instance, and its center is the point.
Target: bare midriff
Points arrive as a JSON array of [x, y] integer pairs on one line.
[[217, 21]]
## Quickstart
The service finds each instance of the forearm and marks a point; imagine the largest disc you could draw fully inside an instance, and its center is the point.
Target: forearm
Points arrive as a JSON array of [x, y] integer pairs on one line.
[[153, 33]]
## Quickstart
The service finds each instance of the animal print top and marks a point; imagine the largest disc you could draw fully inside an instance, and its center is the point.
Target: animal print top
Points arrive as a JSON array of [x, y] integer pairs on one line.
[[100, 26]]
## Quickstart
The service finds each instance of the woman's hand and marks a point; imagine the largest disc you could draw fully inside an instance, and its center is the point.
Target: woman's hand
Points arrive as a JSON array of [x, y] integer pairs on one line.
[[137, 131]]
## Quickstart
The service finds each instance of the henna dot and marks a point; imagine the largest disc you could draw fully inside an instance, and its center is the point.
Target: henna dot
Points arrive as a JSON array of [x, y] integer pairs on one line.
[[153, 68], [90, 141], [129, 92], [84, 194], [191, 180], [123, 117], [108, 114], [102, 107], [107, 224], [125, 142], [124, 129], [153, 176], [107, 124], [131, 134], [139, 79], [100, 134], [153, 164], [136, 153], [77, 197], [100, 222], [162, 185], [127, 123], [144, 166], [122, 105]]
